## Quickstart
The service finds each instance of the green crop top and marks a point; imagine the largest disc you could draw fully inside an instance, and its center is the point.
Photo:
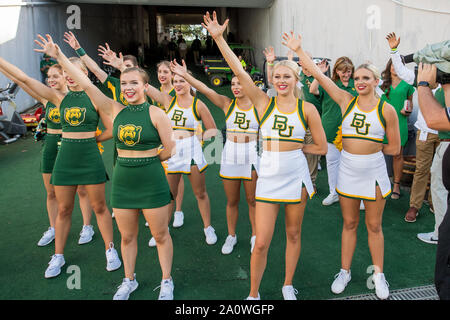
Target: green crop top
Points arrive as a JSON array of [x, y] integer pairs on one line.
[[52, 118], [133, 128], [78, 114]]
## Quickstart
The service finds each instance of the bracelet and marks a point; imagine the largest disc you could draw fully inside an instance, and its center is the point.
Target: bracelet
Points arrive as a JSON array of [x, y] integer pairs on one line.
[[270, 64], [393, 50], [80, 52]]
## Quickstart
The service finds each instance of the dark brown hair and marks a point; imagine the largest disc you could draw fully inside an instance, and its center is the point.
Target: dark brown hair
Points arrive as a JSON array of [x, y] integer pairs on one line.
[[132, 59]]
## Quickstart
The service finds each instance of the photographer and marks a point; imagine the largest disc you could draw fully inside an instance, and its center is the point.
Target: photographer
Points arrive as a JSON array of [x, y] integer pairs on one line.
[[437, 116]]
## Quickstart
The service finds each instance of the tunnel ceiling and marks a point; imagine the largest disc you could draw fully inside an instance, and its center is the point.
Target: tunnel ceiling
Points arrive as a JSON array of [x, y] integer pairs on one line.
[[190, 3]]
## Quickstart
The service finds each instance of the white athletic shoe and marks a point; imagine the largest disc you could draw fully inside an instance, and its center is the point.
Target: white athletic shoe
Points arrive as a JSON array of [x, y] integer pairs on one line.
[[381, 286], [252, 243], [54, 266], [428, 237], [112, 259], [340, 281], [47, 237], [210, 234], [166, 291], [253, 298], [86, 234], [178, 219], [152, 242], [289, 293], [229, 244], [330, 199], [126, 288]]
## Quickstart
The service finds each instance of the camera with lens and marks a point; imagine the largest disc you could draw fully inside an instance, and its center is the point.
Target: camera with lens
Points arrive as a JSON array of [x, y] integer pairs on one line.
[[439, 54]]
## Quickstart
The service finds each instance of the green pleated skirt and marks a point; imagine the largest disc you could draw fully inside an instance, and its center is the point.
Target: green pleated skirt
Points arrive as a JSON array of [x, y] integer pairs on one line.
[[139, 183], [49, 152], [78, 163]]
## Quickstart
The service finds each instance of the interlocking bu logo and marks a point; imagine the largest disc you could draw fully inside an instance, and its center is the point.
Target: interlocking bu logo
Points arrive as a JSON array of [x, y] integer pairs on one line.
[[74, 20]]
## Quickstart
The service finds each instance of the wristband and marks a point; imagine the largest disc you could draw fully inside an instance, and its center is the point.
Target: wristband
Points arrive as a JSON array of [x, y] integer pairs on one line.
[[393, 50], [423, 84], [270, 64], [80, 52]]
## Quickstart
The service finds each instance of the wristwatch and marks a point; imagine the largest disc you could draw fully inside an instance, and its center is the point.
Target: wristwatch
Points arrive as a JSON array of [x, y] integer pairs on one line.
[[423, 84]]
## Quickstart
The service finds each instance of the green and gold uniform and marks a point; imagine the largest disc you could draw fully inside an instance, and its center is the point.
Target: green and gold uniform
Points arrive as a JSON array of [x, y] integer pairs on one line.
[[78, 161], [51, 141], [308, 96], [331, 111], [138, 183], [397, 98], [115, 93]]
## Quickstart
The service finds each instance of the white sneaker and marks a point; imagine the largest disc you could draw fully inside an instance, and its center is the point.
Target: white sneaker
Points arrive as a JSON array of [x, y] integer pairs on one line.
[[340, 281], [178, 219], [252, 243], [210, 234], [126, 288], [381, 286], [166, 291], [330, 199], [253, 298], [152, 242], [86, 234], [362, 206], [54, 266], [289, 293], [229, 244], [47, 237], [112, 259], [428, 237]]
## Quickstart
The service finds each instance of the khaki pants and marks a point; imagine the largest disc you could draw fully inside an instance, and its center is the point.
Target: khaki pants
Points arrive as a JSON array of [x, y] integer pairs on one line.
[[438, 190], [312, 159], [424, 157]]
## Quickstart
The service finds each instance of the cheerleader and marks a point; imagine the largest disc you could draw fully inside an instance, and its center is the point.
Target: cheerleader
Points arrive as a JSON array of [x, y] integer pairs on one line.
[[187, 113], [362, 175], [283, 177], [139, 129], [239, 161], [55, 80], [78, 162]]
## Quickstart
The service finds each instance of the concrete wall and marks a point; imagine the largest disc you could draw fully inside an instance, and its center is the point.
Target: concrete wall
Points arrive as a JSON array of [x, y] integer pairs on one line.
[[353, 28], [99, 24]]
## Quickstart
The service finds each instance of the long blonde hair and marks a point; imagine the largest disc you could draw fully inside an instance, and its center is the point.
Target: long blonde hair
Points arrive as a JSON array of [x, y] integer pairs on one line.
[[296, 70]]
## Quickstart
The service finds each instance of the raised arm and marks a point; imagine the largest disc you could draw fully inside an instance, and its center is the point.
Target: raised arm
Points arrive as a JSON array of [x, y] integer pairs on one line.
[[163, 98], [70, 38], [111, 58], [219, 100], [259, 98], [341, 97], [269, 53], [98, 98], [24, 87], [314, 87], [400, 69], [45, 92]]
